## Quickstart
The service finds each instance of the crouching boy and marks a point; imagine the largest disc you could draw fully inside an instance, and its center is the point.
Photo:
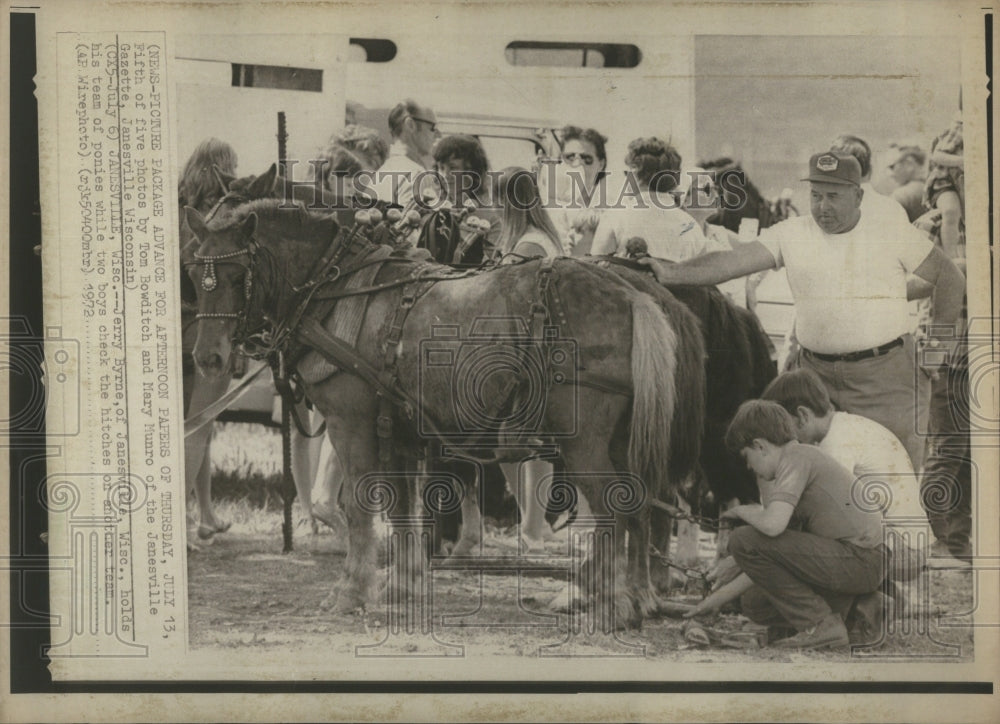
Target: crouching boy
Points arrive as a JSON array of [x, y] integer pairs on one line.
[[808, 551], [870, 451]]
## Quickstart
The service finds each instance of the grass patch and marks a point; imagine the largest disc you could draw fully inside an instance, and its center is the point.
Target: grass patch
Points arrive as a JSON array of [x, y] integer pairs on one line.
[[246, 466]]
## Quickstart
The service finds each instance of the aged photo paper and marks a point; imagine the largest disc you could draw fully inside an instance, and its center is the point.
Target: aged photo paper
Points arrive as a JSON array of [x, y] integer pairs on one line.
[[184, 585]]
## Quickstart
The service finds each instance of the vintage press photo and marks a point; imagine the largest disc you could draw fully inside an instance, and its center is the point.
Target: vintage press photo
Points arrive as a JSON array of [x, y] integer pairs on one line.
[[291, 250]]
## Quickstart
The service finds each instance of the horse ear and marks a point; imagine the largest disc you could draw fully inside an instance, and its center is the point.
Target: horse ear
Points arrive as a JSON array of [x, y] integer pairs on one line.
[[263, 186], [195, 222], [223, 178], [249, 225]]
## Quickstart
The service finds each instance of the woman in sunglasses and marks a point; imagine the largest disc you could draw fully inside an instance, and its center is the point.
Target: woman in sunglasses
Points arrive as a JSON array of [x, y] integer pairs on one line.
[[582, 167], [648, 209]]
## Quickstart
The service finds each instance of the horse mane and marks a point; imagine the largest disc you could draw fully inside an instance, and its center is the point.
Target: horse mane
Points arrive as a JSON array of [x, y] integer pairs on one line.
[[292, 218]]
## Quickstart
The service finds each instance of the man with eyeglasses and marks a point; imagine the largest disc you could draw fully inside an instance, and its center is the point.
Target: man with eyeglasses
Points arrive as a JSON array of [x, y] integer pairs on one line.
[[414, 131]]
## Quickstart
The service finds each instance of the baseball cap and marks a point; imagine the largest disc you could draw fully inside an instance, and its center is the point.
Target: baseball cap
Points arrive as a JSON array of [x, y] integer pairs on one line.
[[834, 168]]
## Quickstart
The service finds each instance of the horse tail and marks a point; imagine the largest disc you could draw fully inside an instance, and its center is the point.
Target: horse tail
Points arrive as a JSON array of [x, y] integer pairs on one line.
[[654, 391]]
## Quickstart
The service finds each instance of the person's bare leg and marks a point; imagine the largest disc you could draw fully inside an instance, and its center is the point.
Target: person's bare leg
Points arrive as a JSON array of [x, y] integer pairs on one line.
[[951, 215]]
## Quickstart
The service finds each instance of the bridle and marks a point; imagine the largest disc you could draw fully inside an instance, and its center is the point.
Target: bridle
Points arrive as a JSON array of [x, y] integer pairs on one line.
[[210, 282], [271, 336]]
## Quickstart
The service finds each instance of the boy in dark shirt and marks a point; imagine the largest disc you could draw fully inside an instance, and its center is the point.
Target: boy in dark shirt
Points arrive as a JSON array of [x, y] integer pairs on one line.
[[809, 549]]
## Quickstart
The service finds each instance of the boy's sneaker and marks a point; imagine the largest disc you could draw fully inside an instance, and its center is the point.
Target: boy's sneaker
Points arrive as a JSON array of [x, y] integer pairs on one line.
[[828, 633]]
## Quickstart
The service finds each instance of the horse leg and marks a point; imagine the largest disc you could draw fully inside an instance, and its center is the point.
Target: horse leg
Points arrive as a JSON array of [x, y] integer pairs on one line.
[[639, 580], [361, 498], [661, 531], [603, 575], [529, 482], [687, 538], [470, 535], [722, 538]]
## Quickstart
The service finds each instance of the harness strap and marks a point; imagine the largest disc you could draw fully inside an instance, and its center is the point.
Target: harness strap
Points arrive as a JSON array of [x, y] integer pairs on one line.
[[402, 281], [390, 350], [557, 312], [539, 307], [311, 333]]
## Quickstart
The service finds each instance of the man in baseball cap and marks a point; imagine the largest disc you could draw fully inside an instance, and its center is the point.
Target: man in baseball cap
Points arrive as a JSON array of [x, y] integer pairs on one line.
[[836, 193], [847, 271], [835, 168]]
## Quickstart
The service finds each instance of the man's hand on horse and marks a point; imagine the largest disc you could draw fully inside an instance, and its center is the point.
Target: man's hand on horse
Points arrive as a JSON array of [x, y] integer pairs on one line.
[[659, 267]]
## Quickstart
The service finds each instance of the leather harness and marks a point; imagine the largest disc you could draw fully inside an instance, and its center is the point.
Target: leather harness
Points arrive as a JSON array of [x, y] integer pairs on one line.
[[303, 329]]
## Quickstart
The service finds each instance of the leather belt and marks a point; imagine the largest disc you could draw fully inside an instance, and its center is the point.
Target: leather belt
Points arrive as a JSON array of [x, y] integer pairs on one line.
[[859, 355]]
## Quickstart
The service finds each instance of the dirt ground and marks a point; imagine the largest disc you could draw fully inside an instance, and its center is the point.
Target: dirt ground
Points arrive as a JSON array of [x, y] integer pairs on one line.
[[244, 595]]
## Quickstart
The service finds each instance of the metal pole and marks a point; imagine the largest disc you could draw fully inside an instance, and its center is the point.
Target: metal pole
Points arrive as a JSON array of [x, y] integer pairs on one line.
[[282, 143]]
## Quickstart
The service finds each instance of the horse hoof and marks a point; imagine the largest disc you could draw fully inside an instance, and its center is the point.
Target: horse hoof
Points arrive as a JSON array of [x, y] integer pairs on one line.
[[628, 617]]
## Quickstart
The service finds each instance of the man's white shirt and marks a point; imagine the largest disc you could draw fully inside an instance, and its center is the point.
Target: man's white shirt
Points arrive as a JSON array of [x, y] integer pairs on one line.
[[849, 288], [394, 179]]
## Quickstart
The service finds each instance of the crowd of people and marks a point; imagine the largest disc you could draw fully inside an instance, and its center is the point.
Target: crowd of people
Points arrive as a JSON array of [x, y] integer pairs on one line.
[[851, 408]]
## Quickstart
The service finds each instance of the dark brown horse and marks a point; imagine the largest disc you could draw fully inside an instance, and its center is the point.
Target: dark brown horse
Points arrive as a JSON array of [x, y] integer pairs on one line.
[[615, 382]]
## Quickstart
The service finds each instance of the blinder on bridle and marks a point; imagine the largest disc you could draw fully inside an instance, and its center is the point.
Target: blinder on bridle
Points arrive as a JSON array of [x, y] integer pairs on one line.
[[210, 282]]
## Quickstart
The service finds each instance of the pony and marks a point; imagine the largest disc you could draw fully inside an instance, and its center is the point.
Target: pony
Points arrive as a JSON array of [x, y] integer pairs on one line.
[[634, 375], [738, 367], [222, 192], [756, 205]]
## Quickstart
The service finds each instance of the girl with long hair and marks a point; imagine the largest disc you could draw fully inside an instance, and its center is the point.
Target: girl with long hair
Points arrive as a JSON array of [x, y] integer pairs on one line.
[[525, 226]]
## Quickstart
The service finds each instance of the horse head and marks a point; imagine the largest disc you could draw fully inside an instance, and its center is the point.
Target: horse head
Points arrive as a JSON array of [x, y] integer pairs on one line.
[[238, 191], [221, 269]]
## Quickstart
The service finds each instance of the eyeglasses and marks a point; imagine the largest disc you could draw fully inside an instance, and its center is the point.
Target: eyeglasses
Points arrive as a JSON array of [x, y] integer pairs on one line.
[[585, 158], [432, 124]]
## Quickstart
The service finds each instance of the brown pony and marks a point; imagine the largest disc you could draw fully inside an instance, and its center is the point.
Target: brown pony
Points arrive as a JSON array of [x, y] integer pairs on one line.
[[627, 400]]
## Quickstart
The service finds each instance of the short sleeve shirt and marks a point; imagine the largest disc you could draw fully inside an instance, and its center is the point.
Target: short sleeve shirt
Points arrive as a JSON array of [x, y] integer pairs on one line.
[[849, 288], [670, 233], [820, 488], [395, 178], [876, 457]]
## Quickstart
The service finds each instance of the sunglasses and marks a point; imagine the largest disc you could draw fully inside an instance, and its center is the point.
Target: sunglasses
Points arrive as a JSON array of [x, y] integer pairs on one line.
[[432, 124], [585, 158]]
